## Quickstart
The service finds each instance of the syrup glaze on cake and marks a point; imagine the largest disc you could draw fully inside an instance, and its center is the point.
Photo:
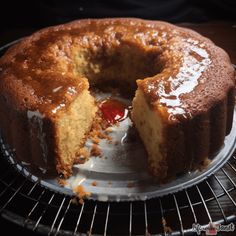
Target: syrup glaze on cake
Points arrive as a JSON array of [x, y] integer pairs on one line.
[[183, 106]]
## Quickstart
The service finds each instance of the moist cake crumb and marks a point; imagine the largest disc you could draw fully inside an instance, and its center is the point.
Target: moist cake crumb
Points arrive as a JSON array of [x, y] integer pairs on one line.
[[109, 130], [99, 130], [82, 156], [94, 183], [62, 182], [95, 151], [81, 201], [81, 194], [167, 229], [109, 139], [95, 140], [116, 143], [74, 200], [204, 164]]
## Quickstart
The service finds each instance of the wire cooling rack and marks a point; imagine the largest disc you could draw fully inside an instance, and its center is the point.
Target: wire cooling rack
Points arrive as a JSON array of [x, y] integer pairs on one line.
[[30, 205], [39, 209]]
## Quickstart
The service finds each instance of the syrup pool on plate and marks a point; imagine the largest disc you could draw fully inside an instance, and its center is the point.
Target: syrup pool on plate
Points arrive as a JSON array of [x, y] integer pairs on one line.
[[113, 110]]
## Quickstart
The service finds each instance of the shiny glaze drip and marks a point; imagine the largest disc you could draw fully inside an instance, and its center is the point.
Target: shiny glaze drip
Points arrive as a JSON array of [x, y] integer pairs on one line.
[[113, 110], [53, 84], [195, 61], [167, 89]]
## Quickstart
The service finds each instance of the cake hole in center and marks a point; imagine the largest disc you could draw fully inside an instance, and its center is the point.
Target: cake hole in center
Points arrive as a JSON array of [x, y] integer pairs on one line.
[[118, 67]]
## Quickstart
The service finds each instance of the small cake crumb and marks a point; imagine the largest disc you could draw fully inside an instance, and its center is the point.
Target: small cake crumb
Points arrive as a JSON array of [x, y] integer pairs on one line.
[[109, 130], [94, 183], [62, 182], [98, 131], [102, 135], [81, 201], [82, 156], [74, 200], [167, 229], [95, 151], [81, 194], [130, 185], [116, 143], [84, 152], [204, 164], [95, 140], [109, 139]]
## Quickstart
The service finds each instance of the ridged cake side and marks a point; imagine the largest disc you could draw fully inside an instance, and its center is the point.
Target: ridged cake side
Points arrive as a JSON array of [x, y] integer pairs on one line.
[[174, 148]]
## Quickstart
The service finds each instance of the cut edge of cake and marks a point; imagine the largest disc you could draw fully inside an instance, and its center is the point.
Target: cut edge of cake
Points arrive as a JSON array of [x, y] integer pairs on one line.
[[72, 127]]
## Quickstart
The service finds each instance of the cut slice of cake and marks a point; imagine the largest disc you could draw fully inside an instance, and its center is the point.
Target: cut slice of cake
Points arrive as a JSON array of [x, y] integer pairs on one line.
[[72, 127]]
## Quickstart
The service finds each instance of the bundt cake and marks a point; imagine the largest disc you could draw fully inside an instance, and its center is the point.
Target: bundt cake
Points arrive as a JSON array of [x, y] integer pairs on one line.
[[184, 91]]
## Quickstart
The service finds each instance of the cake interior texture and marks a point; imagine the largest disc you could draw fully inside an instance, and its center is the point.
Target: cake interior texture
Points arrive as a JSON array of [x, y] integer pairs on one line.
[[72, 127], [150, 128]]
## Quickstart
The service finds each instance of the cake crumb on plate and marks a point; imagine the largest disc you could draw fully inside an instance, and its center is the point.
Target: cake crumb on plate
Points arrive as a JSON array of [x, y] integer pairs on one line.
[[81, 194], [94, 183], [62, 182], [95, 151]]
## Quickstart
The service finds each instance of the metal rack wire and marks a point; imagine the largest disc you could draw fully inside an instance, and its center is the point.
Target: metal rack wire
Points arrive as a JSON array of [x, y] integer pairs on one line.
[[55, 214], [48, 212]]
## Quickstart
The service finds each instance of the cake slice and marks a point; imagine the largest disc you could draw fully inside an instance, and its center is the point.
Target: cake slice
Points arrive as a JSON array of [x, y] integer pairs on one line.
[[72, 127]]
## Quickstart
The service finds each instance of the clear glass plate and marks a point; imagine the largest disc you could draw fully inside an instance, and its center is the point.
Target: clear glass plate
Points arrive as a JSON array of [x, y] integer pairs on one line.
[[121, 174]]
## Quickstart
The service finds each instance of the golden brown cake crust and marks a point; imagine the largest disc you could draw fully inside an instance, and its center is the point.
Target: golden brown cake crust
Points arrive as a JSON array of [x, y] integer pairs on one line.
[[183, 53]]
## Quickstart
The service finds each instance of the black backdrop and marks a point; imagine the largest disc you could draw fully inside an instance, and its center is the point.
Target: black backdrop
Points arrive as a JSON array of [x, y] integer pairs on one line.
[[40, 13]]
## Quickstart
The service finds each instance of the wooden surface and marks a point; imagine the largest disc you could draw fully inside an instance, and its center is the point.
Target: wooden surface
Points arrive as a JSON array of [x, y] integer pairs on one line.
[[224, 35]]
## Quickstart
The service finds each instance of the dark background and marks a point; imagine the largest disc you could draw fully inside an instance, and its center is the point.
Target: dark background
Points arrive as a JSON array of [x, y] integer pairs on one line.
[[21, 18], [41, 13], [18, 18]]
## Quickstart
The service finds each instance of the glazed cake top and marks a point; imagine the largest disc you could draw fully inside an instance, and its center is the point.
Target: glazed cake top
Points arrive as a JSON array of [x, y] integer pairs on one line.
[[47, 70]]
